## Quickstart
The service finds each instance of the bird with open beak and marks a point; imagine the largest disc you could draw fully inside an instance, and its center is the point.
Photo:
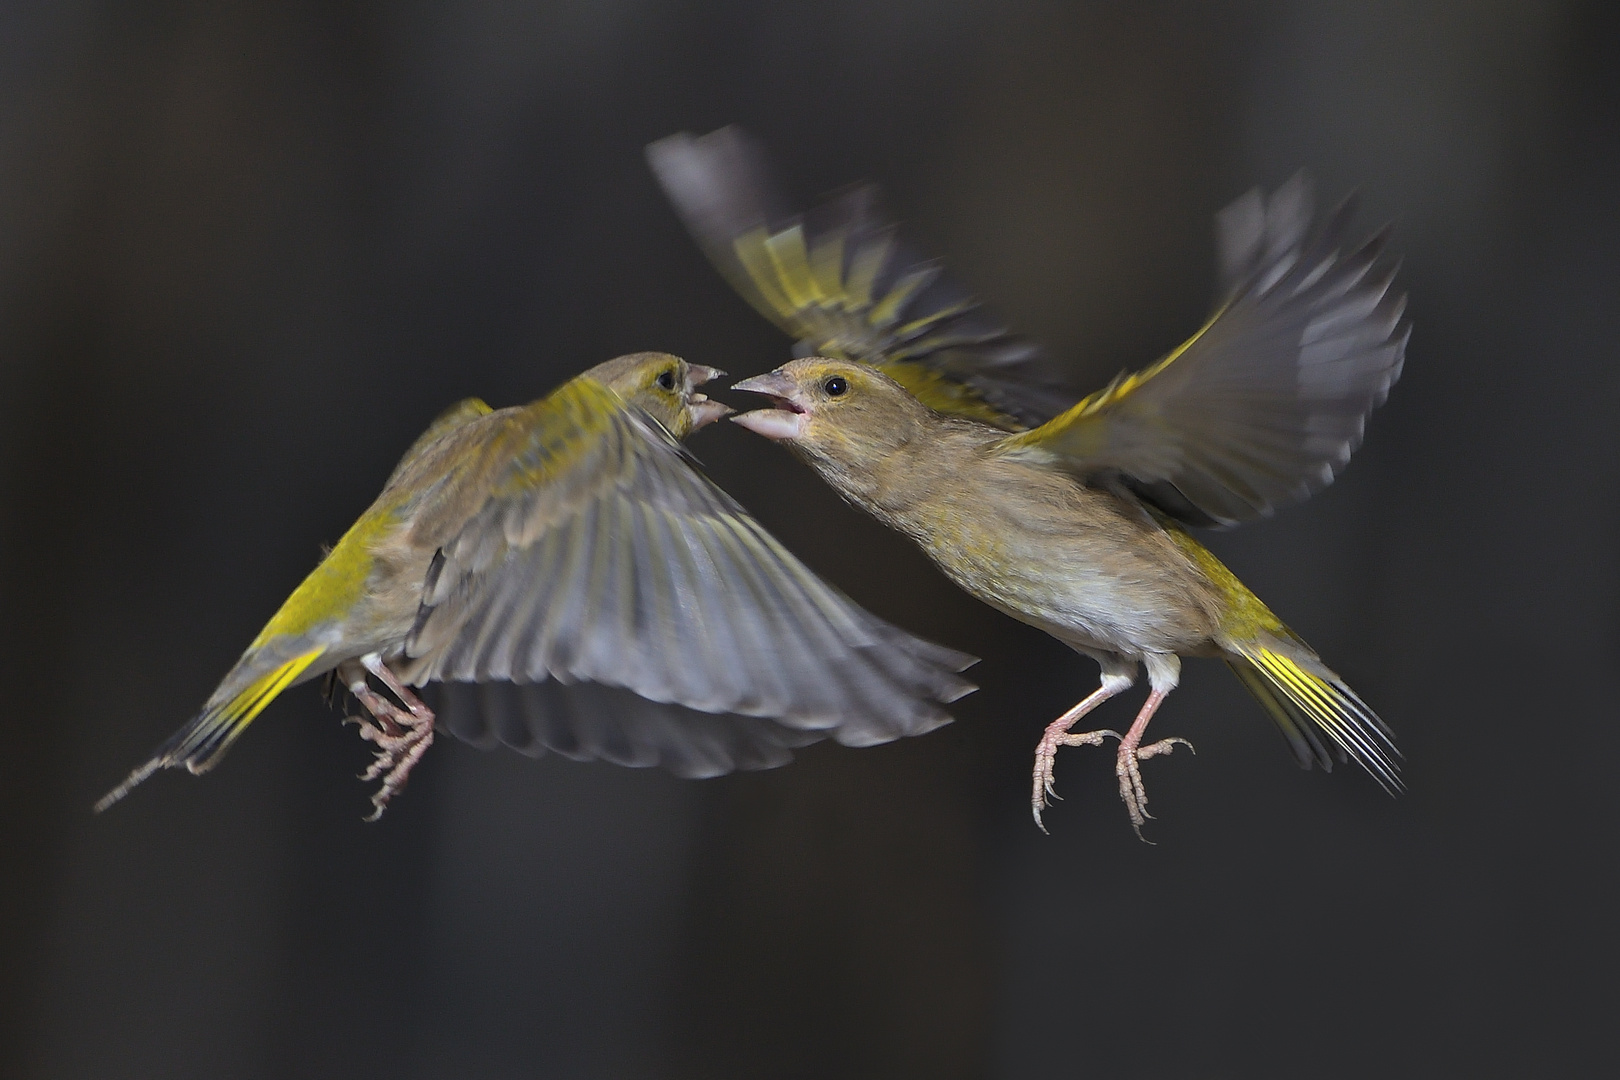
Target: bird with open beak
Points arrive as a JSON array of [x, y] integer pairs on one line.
[[574, 542], [923, 411]]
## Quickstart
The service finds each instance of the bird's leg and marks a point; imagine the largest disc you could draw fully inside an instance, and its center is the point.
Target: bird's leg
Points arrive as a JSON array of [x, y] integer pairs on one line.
[[1164, 676], [1057, 734], [402, 736]]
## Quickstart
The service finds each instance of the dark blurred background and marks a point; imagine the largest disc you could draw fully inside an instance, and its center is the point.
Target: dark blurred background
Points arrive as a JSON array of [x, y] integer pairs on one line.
[[248, 250]]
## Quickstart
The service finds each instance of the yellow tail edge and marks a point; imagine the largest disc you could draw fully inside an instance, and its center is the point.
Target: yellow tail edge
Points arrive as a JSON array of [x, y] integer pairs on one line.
[[201, 743], [1309, 704]]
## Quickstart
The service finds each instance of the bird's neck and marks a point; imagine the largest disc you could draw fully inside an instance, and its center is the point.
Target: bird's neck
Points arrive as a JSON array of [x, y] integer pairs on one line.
[[899, 480]]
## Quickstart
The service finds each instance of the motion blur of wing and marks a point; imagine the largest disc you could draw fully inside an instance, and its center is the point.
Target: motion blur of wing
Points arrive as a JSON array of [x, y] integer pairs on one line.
[[593, 722], [841, 281], [1266, 403]]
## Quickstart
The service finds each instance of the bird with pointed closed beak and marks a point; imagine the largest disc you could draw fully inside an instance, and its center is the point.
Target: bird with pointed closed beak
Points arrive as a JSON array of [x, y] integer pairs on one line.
[[573, 542], [1074, 517]]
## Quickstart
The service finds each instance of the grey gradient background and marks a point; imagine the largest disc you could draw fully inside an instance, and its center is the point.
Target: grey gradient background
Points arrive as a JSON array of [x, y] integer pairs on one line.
[[248, 250]]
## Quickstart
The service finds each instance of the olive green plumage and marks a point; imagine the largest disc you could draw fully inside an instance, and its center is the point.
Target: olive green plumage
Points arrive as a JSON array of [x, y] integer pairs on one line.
[[574, 540], [1072, 515]]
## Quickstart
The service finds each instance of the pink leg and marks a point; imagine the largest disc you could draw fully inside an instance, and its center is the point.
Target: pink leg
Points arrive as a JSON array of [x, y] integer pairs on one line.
[[402, 736], [1126, 768], [1057, 734]]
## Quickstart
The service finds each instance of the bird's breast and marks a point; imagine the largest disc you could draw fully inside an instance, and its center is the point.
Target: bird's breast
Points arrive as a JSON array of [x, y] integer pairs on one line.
[[1063, 558]]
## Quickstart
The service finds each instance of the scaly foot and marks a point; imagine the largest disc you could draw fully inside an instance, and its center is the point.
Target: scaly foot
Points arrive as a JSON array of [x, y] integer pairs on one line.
[[1045, 759], [1127, 768], [401, 736]]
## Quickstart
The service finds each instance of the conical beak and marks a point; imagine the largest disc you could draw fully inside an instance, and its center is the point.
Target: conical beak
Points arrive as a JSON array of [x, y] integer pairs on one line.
[[703, 411], [771, 384], [786, 420]]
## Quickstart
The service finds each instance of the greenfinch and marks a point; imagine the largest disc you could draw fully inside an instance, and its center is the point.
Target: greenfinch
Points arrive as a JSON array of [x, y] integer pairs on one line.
[[573, 545], [1078, 525]]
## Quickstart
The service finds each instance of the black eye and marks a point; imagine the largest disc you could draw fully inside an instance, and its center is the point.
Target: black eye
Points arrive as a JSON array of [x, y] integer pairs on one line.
[[666, 379], [835, 386]]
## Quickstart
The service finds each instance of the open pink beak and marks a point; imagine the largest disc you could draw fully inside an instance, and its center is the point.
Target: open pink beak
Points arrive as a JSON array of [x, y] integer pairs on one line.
[[786, 418], [704, 412]]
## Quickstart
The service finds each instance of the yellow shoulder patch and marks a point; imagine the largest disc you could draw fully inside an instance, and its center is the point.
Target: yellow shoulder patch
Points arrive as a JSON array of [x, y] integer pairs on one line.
[[1082, 434]]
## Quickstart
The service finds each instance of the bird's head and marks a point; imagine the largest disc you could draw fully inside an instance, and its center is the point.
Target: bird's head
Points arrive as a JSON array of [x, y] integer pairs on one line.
[[837, 413], [665, 386]]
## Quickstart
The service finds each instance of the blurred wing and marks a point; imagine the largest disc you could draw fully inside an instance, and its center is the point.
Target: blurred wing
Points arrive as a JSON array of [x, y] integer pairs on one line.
[[627, 567], [1267, 402], [841, 282], [592, 722]]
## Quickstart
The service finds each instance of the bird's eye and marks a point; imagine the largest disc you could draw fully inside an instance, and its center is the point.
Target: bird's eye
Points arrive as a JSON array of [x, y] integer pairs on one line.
[[836, 386], [666, 379]]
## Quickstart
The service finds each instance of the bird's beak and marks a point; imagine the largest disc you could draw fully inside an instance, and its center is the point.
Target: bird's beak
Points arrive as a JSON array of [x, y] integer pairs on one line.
[[703, 411], [786, 419]]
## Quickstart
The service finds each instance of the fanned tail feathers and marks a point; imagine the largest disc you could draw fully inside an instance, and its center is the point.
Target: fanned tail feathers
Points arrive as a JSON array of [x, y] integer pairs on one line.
[[1310, 703], [201, 743]]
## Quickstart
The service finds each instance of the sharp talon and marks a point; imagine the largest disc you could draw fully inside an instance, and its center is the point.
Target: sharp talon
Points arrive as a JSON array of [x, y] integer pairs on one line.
[[1163, 746], [1057, 734]]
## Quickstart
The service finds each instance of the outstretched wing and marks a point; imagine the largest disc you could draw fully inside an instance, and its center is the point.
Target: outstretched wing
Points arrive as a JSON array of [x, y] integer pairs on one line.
[[628, 568], [1266, 403], [841, 282]]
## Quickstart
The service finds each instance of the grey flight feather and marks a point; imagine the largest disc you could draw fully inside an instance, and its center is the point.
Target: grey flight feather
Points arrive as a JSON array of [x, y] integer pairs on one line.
[[642, 574], [592, 722], [1268, 401]]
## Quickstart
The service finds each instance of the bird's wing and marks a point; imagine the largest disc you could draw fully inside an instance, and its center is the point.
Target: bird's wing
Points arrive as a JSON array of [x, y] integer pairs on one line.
[[601, 554], [841, 282], [591, 722], [1265, 404]]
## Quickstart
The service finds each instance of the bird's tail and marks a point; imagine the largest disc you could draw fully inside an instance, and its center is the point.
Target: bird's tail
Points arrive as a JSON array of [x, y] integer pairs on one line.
[[201, 743], [1315, 709]]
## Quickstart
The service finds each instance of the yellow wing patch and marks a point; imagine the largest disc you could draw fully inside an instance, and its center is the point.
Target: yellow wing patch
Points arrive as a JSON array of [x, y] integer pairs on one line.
[[1080, 428], [944, 394]]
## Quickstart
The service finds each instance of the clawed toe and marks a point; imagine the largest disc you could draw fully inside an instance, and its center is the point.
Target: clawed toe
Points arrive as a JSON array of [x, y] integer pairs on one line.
[[401, 736], [1132, 792], [1045, 781], [1163, 746], [1131, 753]]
